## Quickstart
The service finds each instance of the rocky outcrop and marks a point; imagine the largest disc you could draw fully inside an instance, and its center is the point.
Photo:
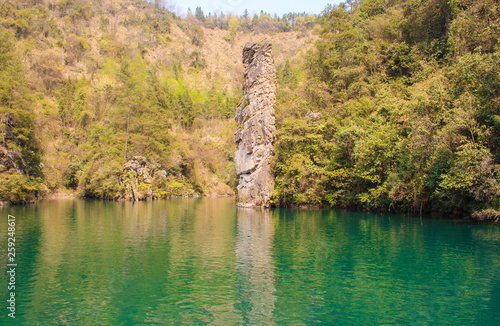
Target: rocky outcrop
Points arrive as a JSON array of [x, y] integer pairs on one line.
[[256, 126], [138, 178]]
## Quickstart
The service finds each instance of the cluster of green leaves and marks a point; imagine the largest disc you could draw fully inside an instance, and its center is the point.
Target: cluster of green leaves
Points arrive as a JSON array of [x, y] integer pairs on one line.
[[407, 94]]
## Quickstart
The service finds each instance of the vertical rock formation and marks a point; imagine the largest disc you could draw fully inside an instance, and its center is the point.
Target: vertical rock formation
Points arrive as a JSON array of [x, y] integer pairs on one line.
[[255, 133]]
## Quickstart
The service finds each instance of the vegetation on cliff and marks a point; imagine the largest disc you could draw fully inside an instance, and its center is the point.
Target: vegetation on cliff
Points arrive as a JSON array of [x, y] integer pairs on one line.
[[98, 82], [406, 96], [381, 104], [20, 172]]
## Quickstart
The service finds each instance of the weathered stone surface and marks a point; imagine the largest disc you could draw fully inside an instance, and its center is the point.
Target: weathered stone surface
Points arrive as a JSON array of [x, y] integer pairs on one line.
[[138, 177], [256, 126]]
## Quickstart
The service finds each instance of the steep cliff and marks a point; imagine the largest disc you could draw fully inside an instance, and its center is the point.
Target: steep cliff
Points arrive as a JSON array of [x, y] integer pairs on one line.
[[256, 126]]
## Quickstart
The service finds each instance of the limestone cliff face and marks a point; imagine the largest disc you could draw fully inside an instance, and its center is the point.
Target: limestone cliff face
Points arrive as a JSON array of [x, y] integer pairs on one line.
[[255, 134]]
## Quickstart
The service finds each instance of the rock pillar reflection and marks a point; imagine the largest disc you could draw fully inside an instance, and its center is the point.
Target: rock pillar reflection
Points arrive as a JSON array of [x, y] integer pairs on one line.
[[255, 266]]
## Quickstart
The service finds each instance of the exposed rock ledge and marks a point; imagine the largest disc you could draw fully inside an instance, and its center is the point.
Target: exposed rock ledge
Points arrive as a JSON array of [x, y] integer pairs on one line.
[[138, 177], [256, 126]]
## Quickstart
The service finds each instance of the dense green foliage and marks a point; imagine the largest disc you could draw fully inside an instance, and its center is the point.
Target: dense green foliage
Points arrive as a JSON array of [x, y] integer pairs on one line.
[[408, 94], [105, 81], [392, 106], [20, 170]]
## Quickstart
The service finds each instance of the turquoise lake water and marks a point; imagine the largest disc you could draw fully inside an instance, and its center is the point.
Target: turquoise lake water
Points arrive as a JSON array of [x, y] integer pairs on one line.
[[206, 262]]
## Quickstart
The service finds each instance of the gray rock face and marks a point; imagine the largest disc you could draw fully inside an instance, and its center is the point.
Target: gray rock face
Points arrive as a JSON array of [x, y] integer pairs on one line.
[[256, 127], [138, 177]]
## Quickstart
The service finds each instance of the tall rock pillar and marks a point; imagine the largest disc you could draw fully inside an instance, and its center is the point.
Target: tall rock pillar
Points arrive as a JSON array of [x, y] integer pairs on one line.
[[255, 133]]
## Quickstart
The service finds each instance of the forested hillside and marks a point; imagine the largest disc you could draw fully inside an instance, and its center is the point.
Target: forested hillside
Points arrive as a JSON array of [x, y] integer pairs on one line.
[[408, 96], [90, 84], [382, 104]]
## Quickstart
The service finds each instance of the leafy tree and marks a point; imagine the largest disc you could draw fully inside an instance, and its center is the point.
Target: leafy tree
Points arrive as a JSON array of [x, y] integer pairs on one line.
[[475, 26], [20, 171], [234, 25], [198, 13]]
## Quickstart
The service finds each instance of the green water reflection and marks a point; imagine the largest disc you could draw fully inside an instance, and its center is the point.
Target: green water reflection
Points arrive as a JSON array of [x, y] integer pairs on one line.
[[206, 262]]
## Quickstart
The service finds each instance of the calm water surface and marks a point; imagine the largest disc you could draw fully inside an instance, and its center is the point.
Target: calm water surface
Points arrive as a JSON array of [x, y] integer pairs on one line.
[[204, 261]]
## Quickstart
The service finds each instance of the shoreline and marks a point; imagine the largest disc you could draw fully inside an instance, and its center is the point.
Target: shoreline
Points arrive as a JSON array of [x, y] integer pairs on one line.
[[463, 218]]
